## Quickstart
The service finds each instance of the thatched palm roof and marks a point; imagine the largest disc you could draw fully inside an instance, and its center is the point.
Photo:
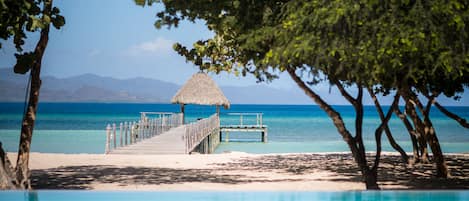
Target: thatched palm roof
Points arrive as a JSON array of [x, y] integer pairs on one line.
[[200, 90]]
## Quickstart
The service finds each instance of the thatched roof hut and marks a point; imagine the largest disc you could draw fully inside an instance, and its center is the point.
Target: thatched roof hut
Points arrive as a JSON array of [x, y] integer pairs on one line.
[[200, 89]]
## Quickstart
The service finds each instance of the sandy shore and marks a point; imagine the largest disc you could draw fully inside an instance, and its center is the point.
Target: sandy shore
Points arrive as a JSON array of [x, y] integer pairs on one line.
[[232, 171]]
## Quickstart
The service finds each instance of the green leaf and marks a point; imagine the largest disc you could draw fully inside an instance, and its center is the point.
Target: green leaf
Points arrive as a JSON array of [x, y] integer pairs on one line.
[[140, 2], [24, 62], [58, 21]]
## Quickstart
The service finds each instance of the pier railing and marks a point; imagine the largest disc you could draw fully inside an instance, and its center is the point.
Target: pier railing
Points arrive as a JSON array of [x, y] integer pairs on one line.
[[246, 124], [248, 117], [126, 133], [199, 130]]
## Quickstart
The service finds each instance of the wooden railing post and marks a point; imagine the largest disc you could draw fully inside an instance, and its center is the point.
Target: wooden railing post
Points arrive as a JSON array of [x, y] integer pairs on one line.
[[108, 135], [155, 127], [132, 132], [121, 127], [114, 134], [158, 126], [144, 130], [261, 118], [151, 127], [198, 132], [139, 132], [163, 123], [126, 125]]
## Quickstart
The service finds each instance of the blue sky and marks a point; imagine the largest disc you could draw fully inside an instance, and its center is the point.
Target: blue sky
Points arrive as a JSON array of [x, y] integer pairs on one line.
[[117, 39]]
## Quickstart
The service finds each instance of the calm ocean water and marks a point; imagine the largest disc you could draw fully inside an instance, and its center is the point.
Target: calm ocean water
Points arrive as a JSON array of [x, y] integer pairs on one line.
[[79, 127]]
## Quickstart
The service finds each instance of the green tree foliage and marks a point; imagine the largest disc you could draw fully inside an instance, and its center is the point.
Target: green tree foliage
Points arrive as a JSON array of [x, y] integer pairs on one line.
[[22, 16]]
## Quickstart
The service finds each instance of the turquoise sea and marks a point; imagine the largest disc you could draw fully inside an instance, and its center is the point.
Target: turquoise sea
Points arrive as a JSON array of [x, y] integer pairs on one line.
[[79, 127]]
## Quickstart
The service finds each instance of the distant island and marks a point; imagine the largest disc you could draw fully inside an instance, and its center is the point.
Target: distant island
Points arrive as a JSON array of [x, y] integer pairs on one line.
[[94, 88]]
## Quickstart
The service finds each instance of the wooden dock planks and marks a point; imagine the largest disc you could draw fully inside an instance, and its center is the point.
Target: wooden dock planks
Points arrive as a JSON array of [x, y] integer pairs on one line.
[[170, 142]]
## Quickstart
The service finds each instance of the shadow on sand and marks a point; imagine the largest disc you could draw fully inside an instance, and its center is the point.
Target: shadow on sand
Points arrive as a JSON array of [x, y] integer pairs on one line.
[[80, 177], [393, 174]]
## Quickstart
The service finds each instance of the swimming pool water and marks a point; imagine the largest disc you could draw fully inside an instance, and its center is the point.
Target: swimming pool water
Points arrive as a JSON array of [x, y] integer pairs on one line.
[[232, 196]]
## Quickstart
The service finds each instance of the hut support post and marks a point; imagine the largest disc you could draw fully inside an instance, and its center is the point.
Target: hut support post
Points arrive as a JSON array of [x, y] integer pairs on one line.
[[183, 115], [218, 110], [220, 137]]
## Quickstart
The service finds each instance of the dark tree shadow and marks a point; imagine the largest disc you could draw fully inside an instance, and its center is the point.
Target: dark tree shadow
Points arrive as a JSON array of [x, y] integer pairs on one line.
[[393, 174], [80, 177]]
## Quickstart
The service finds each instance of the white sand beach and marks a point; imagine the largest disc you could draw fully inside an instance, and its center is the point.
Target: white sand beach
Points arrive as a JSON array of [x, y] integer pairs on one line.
[[229, 171]]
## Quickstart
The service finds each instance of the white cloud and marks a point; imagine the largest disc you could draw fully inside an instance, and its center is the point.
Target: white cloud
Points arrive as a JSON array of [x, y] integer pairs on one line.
[[159, 45]]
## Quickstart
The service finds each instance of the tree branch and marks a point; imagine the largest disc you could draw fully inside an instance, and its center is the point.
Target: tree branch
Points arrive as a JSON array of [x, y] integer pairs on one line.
[[336, 118], [345, 93], [463, 122], [384, 125]]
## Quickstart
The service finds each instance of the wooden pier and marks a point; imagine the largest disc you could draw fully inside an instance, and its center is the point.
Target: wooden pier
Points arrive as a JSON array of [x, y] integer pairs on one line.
[[258, 126], [168, 135], [169, 142], [163, 135]]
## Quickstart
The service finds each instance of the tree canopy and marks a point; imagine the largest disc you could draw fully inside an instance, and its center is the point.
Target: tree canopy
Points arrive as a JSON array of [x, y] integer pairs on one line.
[[408, 46], [371, 42]]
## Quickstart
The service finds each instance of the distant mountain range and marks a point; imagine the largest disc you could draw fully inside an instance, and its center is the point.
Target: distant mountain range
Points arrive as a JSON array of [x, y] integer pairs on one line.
[[94, 88]]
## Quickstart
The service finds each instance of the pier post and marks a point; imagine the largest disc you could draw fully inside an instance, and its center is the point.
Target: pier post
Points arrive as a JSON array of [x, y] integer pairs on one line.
[[227, 136], [209, 144], [163, 123], [121, 126], [126, 130], [108, 135], [139, 131], [264, 135], [114, 134], [132, 132]]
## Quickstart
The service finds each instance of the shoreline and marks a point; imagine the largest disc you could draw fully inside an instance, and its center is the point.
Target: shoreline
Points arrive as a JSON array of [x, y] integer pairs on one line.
[[236, 171], [385, 153]]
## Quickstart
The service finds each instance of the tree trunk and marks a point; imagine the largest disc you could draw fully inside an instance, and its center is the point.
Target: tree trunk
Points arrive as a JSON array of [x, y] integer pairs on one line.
[[432, 139], [371, 176], [420, 130], [412, 133], [438, 157], [415, 149], [22, 164], [385, 120], [371, 180], [426, 129], [7, 176], [451, 115], [355, 144]]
